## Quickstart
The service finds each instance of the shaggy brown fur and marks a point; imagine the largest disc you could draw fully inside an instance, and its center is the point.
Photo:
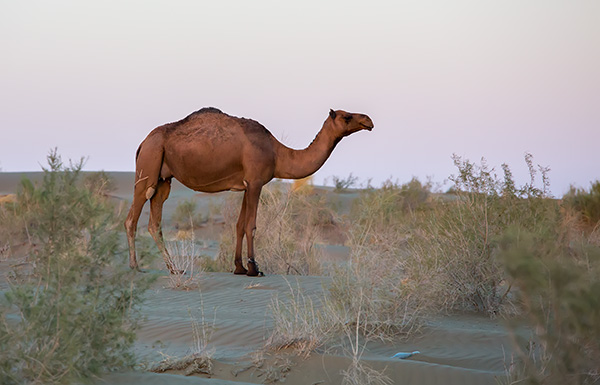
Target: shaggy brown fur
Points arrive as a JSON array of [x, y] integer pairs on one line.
[[211, 151]]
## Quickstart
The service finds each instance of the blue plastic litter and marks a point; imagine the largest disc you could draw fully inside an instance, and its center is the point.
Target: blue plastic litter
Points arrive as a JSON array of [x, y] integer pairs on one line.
[[403, 355]]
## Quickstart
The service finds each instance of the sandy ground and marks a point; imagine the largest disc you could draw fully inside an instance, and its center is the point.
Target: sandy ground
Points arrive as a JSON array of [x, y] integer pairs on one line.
[[455, 349], [463, 349]]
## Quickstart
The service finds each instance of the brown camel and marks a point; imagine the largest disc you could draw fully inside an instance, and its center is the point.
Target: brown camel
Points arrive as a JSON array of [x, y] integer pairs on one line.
[[210, 151]]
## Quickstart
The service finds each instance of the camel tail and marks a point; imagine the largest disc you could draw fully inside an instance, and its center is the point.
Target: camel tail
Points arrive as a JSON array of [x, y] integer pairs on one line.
[[137, 153], [148, 162]]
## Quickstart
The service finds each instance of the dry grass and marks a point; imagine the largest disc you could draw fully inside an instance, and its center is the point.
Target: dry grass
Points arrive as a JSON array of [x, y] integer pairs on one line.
[[397, 306], [298, 324], [269, 369], [359, 373], [5, 251], [184, 258], [191, 364], [429, 251], [288, 228], [276, 371], [199, 361], [380, 279], [9, 198]]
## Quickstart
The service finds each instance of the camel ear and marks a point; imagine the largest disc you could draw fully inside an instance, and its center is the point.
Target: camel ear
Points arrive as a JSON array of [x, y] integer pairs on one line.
[[332, 113]]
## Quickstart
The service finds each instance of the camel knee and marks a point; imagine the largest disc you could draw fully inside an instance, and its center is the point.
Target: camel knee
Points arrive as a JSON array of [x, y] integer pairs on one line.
[[154, 229], [250, 231], [130, 227], [150, 192]]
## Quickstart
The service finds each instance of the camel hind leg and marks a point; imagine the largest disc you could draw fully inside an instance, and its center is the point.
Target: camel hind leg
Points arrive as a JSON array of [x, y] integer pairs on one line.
[[148, 164], [163, 188], [139, 199]]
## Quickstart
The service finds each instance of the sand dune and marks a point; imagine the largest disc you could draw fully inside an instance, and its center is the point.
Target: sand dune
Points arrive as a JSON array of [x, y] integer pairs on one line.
[[463, 349]]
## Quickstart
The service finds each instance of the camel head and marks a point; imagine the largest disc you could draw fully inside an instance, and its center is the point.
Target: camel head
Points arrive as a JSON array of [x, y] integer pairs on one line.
[[346, 123]]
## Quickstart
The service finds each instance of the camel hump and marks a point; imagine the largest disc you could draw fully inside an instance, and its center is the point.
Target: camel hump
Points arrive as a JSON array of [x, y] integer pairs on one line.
[[204, 110], [149, 162]]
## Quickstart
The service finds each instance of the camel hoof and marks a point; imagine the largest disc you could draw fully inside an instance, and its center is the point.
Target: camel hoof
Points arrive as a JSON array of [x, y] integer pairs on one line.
[[136, 268], [253, 270], [240, 270], [255, 274]]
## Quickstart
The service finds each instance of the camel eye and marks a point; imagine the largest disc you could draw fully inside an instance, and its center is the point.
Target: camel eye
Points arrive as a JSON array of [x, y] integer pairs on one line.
[[347, 118]]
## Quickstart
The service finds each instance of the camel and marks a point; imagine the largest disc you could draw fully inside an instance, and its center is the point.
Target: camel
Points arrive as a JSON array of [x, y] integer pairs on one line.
[[210, 151]]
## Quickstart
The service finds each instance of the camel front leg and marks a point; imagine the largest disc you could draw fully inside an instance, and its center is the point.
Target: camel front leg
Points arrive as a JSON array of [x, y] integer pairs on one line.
[[252, 196], [240, 229]]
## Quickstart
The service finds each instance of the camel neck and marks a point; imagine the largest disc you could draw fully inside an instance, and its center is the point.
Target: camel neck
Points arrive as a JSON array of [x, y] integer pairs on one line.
[[297, 164]]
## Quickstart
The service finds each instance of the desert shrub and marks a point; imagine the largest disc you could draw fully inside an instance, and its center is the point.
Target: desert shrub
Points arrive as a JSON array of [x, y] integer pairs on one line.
[[376, 280], [230, 211], [414, 194], [99, 183], [341, 185], [587, 203], [304, 326], [298, 323], [73, 313], [288, 226], [395, 305], [183, 256], [456, 238], [559, 280], [185, 216], [381, 219], [14, 223], [199, 360], [358, 372]]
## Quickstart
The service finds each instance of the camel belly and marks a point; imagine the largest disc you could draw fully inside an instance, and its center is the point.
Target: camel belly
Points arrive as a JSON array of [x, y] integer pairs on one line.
[[205, 173], [233, 182]]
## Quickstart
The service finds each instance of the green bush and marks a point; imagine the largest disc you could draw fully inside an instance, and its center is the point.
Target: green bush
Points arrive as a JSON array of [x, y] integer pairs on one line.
[[185, 216], [73, 313], [587, 203], [559, 281], [456, 237]]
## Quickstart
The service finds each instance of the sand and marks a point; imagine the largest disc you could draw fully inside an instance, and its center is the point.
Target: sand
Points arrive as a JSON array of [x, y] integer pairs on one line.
[[454, 349], [459, 349]]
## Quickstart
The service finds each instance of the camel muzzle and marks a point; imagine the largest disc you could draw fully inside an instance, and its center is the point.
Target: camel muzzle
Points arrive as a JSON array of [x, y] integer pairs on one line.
[[367, 127], [366, 122]]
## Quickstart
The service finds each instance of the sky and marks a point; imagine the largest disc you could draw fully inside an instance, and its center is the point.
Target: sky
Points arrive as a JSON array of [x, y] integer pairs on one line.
[[475, 78]]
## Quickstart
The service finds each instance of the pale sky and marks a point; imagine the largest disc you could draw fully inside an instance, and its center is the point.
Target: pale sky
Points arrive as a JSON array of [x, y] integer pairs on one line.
[[478, 78]]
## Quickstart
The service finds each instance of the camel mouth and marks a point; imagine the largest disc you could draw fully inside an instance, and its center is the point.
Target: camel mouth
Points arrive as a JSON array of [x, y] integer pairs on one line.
[[367, 127]]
